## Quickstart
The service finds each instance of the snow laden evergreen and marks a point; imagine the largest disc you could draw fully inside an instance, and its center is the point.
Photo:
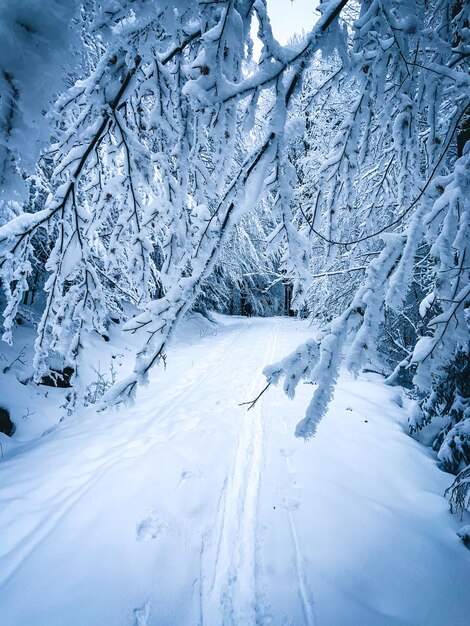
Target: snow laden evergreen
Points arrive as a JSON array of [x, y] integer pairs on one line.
[[337, 163]]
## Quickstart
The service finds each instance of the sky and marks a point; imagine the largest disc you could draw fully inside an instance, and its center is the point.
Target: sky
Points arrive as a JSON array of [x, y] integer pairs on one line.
[[291, 16]]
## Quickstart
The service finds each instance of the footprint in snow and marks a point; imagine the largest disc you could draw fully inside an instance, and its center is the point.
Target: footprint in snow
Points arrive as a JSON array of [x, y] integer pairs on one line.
[[187, 473], [142, 615], [150, 527], [397, 399], [290, 504]]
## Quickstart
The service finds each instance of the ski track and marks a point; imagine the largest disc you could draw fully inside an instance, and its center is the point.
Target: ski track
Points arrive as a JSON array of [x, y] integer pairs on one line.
[[234, 588], [132, 445], [305, 592]]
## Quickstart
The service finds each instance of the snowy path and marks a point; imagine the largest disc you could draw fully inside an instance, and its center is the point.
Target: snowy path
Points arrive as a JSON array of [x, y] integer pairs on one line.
[[234, 587], [189, 510]]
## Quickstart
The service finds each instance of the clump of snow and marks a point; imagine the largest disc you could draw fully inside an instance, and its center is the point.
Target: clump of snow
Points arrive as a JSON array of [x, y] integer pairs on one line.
[[464, 534]]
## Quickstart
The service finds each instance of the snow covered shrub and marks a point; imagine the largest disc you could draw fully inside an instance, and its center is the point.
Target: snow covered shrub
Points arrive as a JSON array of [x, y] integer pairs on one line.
[[449, 401], [450, 398], [459, 494], [98, 387], [464, 534]]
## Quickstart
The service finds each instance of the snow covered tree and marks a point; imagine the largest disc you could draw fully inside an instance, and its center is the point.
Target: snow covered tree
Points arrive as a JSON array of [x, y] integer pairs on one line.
[[390, 204], [171, 135], [148, 158]]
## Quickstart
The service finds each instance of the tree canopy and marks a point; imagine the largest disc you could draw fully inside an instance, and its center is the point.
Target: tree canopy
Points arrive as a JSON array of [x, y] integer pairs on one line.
[[171, 134]]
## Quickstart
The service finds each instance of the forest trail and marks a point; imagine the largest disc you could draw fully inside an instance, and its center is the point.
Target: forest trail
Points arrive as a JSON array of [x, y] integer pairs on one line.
[[190, 510]]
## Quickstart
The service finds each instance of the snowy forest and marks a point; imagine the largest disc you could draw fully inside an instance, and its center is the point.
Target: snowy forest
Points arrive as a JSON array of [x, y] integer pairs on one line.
[[182, 192]]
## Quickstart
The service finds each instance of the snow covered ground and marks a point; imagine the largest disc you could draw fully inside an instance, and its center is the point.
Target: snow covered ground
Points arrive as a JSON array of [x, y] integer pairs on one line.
[[187, 509]]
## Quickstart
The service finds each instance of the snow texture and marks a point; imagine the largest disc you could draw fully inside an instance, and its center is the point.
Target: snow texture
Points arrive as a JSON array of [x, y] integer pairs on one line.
[[189, 509]]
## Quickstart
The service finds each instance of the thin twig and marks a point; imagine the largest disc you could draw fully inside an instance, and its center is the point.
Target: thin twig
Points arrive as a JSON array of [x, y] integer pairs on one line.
[[253, 402]]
